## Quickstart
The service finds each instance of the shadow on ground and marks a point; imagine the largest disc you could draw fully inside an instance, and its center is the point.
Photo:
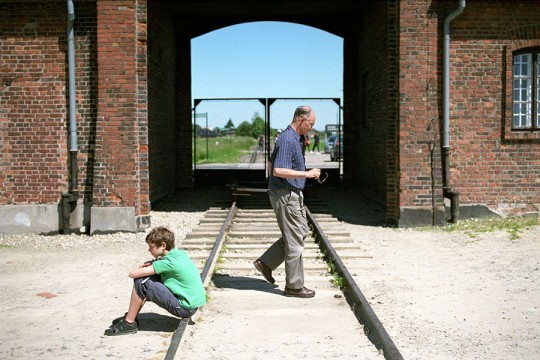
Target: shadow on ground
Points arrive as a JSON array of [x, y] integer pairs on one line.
[[191, 200], [154, 322], [157, 322], [348, 204], [245, 283]]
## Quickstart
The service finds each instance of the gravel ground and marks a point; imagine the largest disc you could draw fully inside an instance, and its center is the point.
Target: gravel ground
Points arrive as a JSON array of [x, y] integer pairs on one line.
[[439, 295]]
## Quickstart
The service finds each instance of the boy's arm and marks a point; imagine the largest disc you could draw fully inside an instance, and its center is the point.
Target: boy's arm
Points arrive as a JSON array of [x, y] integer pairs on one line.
[[142, 272]]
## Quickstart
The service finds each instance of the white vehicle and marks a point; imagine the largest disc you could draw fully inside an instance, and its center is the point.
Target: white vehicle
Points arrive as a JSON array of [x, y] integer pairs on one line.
[[329, 145]]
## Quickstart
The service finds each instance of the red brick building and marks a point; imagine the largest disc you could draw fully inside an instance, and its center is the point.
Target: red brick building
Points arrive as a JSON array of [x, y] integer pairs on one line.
[[416, 145]]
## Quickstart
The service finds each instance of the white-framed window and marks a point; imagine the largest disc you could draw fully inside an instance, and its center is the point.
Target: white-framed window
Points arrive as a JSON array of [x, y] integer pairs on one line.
[[526, 94]]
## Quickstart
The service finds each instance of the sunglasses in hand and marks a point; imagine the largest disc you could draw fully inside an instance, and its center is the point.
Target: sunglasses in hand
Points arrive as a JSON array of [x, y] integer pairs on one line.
[[322, 178]]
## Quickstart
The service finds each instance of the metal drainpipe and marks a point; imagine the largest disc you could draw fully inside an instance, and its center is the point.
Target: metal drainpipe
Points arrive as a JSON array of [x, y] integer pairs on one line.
[[69, 198], [447, 189]]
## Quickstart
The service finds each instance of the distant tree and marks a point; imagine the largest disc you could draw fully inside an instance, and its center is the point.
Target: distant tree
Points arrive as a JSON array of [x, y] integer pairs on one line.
[[197, 129], [229, 125], [244, 129], [258, 125]]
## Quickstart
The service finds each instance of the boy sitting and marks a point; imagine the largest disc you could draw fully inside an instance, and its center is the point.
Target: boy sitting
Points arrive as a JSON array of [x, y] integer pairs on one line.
[[171, 280]]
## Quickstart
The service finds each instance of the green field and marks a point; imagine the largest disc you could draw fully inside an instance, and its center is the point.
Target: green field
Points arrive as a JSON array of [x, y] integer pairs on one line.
[[224, 149]]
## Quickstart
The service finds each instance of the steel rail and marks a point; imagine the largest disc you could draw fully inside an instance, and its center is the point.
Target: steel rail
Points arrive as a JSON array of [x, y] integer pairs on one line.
[[208, 270], [206, 276], [361, 308]]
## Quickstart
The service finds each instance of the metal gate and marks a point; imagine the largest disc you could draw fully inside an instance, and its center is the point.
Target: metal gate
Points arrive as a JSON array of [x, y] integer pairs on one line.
[[240, 133]]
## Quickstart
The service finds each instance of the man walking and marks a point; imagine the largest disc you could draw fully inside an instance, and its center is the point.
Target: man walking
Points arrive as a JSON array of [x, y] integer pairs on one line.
[[287, 179]]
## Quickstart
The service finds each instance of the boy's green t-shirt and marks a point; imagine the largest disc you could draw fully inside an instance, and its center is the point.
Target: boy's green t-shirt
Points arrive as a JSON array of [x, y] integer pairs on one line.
[[180, 275]]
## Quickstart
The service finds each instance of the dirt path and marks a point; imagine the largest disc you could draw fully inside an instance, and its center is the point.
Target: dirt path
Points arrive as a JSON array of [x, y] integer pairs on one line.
[[439, 295]]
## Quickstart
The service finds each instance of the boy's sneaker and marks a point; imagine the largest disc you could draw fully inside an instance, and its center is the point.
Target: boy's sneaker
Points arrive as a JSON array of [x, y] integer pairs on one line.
[[122, 328], [117, 320]]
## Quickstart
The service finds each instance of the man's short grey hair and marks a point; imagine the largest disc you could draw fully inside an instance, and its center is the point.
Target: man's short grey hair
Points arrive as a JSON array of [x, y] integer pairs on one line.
[[302, 112]]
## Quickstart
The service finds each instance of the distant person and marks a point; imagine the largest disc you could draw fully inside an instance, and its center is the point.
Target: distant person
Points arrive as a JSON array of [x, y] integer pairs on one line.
[[316, 143], [276, 136], [261, 144], [304, 140], [287, 179], [171, 280]]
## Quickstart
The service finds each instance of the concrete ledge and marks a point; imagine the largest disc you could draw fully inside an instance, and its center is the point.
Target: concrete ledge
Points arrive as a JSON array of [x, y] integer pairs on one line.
[[417, 216], [411, 217], [112, 219], [24, 219], [38, 219], [475, 211]]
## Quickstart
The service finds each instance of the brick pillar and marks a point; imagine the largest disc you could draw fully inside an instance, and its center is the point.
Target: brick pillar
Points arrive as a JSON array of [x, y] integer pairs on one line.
[[392, 141], [120, 198], [420, 195]]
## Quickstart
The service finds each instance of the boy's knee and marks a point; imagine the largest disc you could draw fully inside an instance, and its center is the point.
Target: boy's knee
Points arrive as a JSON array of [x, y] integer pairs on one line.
[[139, 287]]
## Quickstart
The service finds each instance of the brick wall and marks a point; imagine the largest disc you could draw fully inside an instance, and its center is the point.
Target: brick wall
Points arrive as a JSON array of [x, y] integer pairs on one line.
[[491, 164], [134, 104], [33, 92]]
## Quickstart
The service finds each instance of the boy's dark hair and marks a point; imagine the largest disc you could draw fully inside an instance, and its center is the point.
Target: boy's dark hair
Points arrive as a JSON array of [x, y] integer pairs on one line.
[[159, 235]]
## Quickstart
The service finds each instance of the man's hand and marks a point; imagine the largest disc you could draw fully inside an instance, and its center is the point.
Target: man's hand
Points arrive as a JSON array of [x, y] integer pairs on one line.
[[313, 173]]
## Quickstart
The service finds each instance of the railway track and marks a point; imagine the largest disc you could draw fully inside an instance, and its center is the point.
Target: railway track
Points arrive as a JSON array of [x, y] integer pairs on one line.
[[234, 233]]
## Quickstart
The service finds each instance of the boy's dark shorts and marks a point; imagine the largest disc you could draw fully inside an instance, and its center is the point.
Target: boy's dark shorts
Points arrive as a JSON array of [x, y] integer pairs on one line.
[[151, 289]]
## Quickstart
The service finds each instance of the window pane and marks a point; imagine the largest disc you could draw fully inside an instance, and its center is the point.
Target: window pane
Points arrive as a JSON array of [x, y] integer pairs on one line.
[[522, 65], [526, 117], [517, 65], [517, 120], [522, 115], [524, 94]]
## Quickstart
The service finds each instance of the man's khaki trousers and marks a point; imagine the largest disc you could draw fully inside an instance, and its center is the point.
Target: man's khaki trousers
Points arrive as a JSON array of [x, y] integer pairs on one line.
[[291, 218]]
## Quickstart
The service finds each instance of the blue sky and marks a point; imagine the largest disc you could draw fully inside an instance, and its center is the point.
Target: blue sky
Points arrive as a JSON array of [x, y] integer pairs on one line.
[[268, 60]]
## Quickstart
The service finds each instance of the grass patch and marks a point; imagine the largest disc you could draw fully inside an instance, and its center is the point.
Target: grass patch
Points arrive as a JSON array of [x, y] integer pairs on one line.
[[512, 225], [338, 279], [221, 150]]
